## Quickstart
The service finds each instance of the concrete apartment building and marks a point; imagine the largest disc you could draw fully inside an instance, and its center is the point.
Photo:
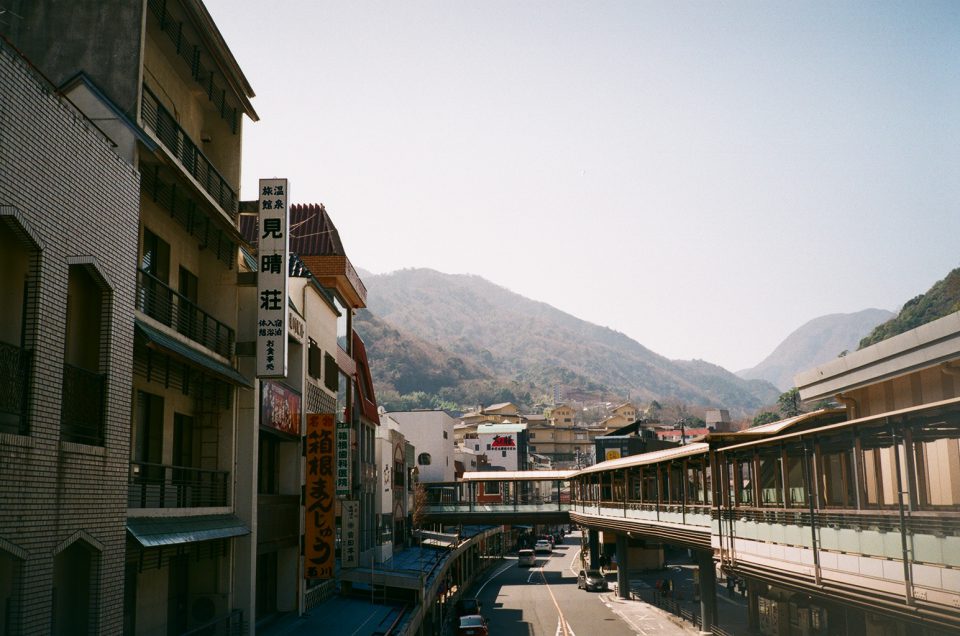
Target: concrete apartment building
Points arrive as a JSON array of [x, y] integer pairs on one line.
[[66, 350], [164, 88]]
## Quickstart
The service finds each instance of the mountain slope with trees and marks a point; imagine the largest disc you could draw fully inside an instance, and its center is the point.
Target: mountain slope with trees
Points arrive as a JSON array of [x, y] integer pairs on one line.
[[531, 346], [940, 300], [817, 341]]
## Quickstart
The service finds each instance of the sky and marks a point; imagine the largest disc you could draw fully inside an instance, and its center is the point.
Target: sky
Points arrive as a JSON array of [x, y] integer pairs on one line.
[[704, 177]]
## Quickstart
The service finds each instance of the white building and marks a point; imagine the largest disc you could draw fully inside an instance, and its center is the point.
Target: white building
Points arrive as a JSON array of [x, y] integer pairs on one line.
[[431, 433], [504, 444]]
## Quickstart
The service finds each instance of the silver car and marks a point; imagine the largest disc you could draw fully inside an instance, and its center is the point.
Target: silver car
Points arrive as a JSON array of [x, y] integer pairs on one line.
[[591, 580]]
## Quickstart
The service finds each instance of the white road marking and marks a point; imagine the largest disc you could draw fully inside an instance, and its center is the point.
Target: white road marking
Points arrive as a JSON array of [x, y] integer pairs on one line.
[[563, 628], [576, 559], [493, 576]]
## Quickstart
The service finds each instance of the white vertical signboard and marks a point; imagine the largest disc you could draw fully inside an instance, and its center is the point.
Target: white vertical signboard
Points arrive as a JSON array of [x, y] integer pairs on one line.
[[350, 541], [274, 245]]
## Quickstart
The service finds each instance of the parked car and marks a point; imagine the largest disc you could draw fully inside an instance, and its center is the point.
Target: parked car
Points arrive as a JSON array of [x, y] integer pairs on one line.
[[543, 546], [527, 558], [468, 607], [591, 580], [472, 625]]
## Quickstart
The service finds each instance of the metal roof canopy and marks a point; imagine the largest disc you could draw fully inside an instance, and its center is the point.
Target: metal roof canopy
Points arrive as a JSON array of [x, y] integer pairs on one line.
[[151, 532], [159, 340], [879, 417], [518, 475], [646, 458]]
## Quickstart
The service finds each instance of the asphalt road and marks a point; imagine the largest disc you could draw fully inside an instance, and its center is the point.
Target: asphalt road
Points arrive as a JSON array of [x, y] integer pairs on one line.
[[544, 601]]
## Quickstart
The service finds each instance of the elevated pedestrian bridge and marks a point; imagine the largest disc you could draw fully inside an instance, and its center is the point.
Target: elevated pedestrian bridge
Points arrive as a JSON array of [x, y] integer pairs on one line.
[[864, 513], [502, 497]]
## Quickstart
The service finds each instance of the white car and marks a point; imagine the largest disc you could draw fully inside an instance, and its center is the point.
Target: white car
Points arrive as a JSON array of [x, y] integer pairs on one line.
[[526, 558], [542, 546]]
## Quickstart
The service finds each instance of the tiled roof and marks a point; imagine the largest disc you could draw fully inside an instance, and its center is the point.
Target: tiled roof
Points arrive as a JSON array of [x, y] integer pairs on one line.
[[312, 232]]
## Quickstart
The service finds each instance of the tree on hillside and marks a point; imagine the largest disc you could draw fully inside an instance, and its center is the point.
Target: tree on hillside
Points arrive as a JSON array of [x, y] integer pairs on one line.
[[790, 403], [653, 411], [765, 418]]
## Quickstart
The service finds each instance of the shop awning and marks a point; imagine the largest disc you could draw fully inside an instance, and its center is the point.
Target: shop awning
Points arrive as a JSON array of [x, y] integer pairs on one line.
[[152, 532], [168, 344]]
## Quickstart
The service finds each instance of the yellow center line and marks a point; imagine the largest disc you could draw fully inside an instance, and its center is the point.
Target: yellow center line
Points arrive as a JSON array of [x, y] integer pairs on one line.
[[563, 621]]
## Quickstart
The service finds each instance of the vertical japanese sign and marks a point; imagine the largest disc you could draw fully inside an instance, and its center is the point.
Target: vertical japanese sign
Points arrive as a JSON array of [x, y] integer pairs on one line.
[[343, 460], [274, 244], [319, 512], [351, 534]]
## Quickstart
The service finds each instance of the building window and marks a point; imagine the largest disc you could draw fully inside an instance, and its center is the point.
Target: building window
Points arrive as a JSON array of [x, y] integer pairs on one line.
[[331, 377], [267, 468], [154, 296], [84, 387], [444, 435], [503, 453], [315, 361], [423, 459], [18, 260], [343, 326], [476, 447], [148, 443]]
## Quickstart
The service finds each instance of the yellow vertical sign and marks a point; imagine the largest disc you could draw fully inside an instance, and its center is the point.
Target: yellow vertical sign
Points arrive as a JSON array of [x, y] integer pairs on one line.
[[319, 510]]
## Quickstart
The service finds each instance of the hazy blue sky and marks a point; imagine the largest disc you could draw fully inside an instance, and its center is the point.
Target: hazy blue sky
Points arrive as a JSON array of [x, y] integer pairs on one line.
[[702, 176]]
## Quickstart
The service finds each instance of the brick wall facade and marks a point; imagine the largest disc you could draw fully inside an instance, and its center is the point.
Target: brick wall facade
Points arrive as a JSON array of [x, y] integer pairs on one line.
[[62, 184]]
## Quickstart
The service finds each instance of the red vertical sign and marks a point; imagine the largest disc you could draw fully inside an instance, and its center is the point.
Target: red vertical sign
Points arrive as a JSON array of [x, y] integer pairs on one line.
[[319, 510]]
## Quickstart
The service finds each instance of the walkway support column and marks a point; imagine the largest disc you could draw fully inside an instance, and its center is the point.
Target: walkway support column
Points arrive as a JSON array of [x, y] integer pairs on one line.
[[594, 538], [623, 565], [708, 591]]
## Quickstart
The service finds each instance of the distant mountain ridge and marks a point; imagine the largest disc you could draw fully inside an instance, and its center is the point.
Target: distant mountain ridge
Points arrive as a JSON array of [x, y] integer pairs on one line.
[[815, 342], [498, 334]]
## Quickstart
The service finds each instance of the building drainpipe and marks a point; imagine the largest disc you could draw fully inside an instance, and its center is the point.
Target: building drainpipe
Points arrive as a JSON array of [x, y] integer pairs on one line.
[[907, 569]]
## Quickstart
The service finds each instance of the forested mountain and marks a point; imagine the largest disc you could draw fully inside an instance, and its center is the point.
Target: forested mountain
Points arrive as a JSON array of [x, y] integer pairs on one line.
[[817, 341], [941, 299], [491, 335]]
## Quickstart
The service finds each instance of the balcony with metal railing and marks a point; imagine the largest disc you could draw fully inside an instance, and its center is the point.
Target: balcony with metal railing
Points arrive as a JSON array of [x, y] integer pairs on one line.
[[159, 301], [165, 128], [15, 363], [164, 486], [82, 406]]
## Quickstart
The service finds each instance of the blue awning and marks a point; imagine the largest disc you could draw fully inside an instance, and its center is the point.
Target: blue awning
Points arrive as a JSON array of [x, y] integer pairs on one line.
[[174, 347], [152, 532]]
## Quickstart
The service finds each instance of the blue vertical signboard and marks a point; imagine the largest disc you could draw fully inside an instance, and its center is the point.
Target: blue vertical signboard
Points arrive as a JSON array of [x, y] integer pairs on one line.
[[273, 248]]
